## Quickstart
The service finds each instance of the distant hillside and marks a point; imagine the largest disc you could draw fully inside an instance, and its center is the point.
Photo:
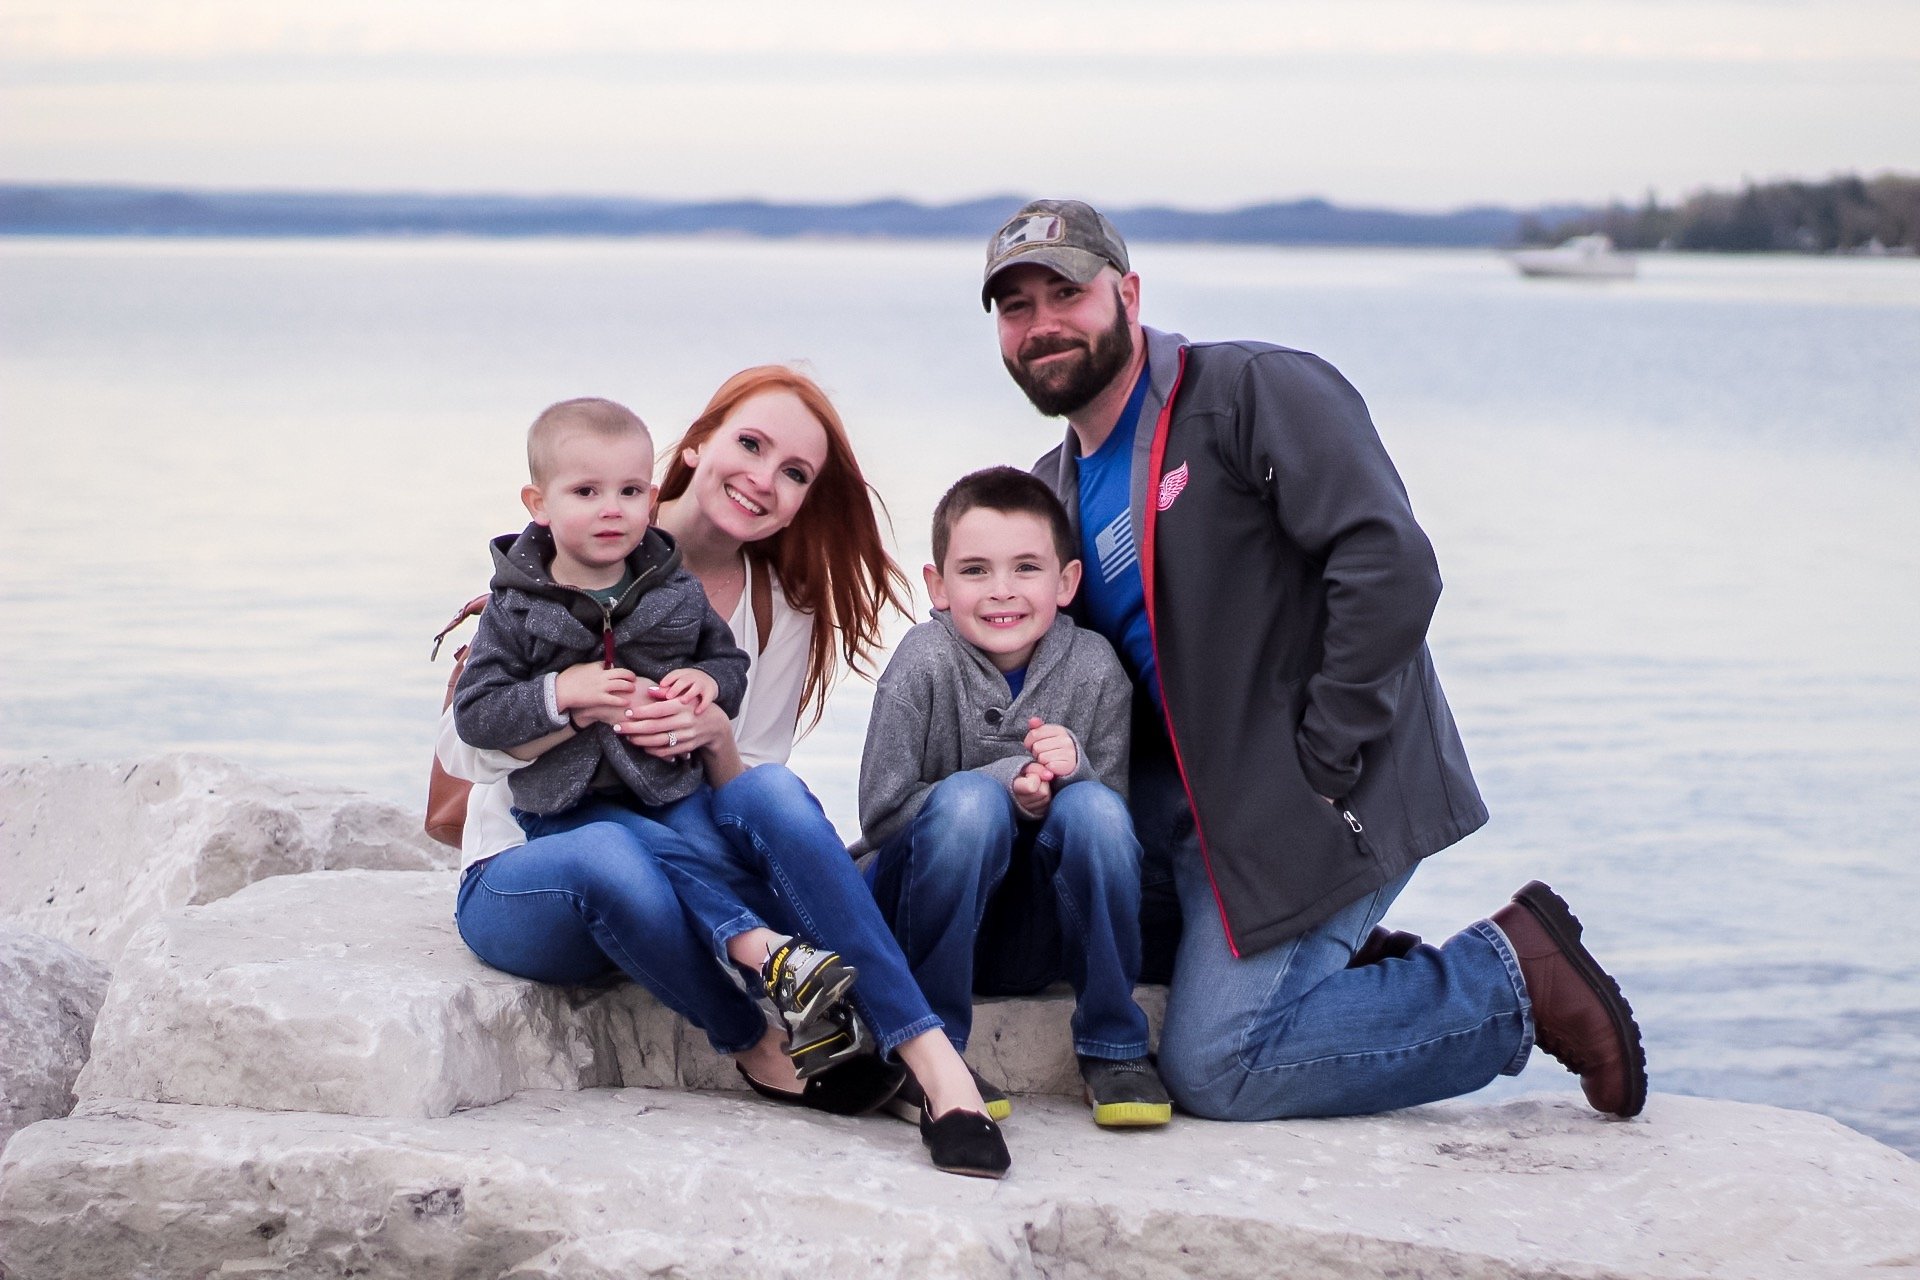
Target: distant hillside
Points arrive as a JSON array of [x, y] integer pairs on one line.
[[137, 211], [1844, 214]]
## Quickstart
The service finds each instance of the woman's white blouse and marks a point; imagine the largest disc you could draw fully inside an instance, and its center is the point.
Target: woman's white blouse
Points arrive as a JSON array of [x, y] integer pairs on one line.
[[763, 730]]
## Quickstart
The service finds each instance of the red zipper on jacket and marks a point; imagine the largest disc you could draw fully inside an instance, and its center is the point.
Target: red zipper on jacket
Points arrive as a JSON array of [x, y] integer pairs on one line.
[[1156, 459]]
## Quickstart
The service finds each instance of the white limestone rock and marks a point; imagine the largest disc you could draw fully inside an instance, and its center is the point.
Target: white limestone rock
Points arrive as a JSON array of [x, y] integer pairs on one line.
[[49, 997], [351, 992], [89, 852], [1024, 1044], [659, 1182]]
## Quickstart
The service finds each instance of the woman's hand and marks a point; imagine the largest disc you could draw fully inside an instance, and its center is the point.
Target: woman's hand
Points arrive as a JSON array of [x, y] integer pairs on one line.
[[665, 726], [662, 725]]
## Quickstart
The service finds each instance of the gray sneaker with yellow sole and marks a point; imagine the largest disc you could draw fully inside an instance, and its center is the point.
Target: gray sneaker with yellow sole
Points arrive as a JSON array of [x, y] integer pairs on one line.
[[1125, 1095]]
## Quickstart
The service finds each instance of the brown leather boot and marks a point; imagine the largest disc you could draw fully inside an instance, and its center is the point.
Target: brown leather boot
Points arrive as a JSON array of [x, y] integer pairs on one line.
[[1579, 1015]]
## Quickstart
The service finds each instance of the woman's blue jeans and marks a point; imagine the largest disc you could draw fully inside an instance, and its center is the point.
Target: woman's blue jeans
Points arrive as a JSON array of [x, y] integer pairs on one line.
[[763, 842], [585, 899], [985, 903], [1292, 1031]]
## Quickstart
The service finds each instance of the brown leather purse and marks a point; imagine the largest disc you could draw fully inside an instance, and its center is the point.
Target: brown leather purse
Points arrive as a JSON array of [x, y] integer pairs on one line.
[[446, 794]]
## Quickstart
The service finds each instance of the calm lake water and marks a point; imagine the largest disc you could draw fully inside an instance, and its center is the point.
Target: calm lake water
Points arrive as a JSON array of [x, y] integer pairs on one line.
[[1678, 518]]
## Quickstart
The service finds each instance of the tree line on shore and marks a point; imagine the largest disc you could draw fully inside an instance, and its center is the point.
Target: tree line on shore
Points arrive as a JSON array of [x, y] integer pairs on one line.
[[1841, 215]]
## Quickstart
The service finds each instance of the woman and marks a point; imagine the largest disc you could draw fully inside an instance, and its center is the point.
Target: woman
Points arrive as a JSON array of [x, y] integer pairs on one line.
[[771, 512]]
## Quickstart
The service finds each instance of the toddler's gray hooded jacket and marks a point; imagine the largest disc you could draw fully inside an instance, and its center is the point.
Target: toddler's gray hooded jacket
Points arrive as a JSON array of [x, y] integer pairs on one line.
[[533, 627]]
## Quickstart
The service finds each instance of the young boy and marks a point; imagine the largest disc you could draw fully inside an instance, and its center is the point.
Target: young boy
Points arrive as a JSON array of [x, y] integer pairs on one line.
[[992, 787], [589, 601]]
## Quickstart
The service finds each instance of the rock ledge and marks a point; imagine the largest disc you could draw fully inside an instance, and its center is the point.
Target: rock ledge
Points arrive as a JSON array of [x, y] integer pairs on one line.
[[625, 1182]]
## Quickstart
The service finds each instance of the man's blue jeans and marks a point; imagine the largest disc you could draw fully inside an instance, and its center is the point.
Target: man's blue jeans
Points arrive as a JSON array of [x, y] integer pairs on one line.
[[1292, 1031], [585, 900], [984, 902], [765, 839]]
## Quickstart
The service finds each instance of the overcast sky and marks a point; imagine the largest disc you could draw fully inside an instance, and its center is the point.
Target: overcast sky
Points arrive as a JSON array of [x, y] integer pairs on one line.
[[1410, 103]]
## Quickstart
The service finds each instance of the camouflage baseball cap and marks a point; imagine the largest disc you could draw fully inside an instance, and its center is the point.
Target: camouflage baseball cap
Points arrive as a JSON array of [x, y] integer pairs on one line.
[[1067, 236]]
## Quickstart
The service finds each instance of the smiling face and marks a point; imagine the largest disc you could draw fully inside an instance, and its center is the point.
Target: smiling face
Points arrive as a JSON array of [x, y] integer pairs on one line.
[[752, 474], [1064, 343], [1002, 582], [596, 498]]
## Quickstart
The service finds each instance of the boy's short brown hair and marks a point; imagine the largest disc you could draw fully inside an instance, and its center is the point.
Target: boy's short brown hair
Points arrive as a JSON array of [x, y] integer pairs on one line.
[[1005, 489], [602, 418]]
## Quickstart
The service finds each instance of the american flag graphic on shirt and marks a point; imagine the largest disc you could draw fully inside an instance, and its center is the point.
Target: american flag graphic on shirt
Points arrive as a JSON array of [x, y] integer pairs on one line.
[[1114, 546]]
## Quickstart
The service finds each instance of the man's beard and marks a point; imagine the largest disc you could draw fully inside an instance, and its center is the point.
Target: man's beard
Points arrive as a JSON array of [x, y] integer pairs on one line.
[[1071, 387]]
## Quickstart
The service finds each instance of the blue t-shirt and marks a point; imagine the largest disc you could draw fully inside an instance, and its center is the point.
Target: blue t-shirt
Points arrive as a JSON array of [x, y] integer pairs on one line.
[[1115, 601], [1016, 680]]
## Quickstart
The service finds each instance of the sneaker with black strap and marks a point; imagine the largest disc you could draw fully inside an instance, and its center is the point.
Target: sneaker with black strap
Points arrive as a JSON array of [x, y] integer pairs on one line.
[[808, 988], [1125, 1094], [833, 1038]]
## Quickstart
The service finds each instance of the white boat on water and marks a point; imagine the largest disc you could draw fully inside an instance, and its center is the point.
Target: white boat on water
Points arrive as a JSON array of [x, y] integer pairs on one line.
[[1586, 257]]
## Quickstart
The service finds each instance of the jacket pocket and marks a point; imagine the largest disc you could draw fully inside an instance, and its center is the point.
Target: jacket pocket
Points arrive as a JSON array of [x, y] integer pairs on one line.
[[675, 634], [1355, 830]]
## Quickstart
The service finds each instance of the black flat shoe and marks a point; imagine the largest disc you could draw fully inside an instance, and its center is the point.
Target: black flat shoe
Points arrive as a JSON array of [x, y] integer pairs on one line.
[[965, 1142], [853, 1088], [906, 1103]]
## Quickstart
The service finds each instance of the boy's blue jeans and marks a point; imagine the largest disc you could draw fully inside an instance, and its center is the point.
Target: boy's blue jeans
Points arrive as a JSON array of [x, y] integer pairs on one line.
[[1291, 1031], [985, 902], [582, 901]]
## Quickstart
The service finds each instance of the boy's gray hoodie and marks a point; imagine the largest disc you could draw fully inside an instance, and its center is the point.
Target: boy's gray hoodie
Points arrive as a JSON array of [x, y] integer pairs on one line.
[[941, 707], [534, 627]]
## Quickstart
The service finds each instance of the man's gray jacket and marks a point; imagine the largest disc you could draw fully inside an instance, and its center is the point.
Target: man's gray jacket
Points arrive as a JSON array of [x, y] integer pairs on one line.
[[941, 707], [1289, 590], [534, 627]]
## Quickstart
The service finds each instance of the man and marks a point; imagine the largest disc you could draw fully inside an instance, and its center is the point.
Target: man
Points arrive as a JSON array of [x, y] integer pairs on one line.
[[1252, 556]]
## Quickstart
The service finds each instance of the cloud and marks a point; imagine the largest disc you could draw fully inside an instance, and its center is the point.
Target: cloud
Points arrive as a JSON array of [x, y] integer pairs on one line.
[[1707, 30], [1421, 103]]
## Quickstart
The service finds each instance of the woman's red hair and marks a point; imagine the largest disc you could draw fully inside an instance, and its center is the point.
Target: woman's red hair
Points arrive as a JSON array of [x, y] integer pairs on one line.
[[830, 560]]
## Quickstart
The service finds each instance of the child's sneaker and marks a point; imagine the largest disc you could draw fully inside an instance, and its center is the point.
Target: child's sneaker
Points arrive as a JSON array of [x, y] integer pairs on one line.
[[1125, 1095], [807, 987], [836, 1037]]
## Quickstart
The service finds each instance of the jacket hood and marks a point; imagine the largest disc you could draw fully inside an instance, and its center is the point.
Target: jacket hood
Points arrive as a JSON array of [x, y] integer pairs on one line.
[[524, 562]]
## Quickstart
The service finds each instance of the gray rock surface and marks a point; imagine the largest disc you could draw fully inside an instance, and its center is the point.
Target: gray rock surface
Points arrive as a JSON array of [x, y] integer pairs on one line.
[[351, 992], [90, 852], [49, 997], [634, 1182]]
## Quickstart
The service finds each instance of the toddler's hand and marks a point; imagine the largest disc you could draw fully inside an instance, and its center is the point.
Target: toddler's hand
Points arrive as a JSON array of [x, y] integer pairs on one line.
[[1033, 790], [1052, 746], [692, 686], [590, 693]]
